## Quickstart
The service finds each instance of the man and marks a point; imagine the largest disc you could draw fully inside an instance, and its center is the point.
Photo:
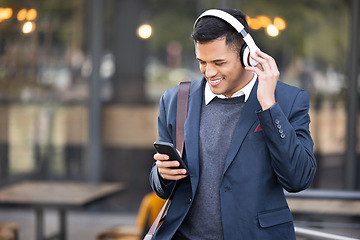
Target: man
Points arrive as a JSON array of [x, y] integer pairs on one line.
[[246, 139]]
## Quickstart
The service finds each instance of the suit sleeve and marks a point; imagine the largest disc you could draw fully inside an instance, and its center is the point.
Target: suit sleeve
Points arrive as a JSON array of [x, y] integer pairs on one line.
[[160, 186], [290, 144]]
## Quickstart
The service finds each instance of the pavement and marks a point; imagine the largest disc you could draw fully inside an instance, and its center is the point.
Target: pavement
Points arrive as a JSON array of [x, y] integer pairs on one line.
[[329, 216], [82, 225]]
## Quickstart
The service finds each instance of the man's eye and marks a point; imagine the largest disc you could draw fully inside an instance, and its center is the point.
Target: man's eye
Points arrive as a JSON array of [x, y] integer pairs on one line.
[[219, 64]]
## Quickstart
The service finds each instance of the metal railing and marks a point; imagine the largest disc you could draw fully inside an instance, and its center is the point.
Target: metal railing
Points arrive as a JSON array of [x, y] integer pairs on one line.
[[325, 194], [311, 234], [315, 235]]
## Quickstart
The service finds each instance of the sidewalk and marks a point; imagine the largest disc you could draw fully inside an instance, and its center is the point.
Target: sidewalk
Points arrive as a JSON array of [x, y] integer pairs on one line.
[[81, 225], [84, 225]]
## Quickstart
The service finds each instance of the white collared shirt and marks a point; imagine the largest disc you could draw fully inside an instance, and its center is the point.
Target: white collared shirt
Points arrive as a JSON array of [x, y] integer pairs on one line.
[[209, 95]]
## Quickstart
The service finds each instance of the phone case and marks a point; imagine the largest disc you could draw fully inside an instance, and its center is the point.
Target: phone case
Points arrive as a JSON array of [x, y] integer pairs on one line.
[[169, 149]]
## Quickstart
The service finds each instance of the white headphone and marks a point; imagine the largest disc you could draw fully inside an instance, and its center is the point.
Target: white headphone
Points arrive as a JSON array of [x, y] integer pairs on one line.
[[248, 48]]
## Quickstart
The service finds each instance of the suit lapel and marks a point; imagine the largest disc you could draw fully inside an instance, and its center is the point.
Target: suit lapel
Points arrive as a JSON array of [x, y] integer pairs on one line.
[[246, 121], [192, 127]]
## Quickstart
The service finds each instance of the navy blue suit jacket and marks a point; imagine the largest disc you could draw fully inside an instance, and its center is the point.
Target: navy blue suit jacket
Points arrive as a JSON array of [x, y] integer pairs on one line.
[[259, 164]]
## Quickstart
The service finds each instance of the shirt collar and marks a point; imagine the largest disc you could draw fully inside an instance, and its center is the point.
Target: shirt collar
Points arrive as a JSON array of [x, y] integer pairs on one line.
[[209, 95]]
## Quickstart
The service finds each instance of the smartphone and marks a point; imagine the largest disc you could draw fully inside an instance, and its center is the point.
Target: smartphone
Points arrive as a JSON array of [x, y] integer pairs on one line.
[[169, 149]]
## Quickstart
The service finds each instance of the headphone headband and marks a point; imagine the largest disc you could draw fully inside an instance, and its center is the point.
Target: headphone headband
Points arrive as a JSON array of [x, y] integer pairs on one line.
[[226, 17], [237, 25]]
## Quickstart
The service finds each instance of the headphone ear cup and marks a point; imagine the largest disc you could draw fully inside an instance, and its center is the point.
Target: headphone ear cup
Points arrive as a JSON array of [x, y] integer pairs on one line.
[[245, 55]]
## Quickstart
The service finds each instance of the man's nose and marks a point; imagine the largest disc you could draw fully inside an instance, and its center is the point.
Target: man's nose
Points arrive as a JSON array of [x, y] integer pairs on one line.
[[210, 71]]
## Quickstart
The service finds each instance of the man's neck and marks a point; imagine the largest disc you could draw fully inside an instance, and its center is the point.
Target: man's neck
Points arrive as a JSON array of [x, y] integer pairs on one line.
[[246, 77]]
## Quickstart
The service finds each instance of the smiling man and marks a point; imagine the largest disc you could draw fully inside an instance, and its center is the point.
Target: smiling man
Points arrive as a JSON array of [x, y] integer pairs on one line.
[[246, 139], [221, 67]]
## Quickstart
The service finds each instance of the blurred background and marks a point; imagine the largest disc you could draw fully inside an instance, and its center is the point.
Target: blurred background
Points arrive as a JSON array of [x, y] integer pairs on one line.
[[80, 83]]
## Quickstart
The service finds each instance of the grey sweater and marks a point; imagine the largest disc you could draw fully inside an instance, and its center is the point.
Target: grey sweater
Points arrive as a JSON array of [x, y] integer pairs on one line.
[[217, 124]]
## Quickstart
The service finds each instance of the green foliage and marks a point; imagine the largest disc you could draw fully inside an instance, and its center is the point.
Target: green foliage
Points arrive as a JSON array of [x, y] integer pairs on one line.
[[171, 20], [316, 29], [169, 27]]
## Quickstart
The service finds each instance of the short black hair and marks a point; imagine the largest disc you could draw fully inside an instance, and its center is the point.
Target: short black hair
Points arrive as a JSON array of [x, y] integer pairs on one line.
[[209, 28]]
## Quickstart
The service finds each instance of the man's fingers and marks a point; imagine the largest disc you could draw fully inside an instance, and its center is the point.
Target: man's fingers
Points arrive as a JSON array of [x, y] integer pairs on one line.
[[257, 69], [262, 54], [167, 164], [266, 63], [173, 177], [167, 168], [266, 68], [170, 173], [266, 60], [161, 157]]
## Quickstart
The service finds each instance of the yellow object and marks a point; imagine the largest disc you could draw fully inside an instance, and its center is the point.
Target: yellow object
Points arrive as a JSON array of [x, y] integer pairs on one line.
[[149, 209]]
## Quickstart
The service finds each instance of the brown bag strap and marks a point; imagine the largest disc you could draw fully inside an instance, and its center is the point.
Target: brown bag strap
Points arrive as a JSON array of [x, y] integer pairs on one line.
[[181, 114], [157, 220]]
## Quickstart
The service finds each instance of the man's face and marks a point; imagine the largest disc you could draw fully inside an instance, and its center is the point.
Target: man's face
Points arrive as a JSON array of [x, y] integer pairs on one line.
[[221, 67]]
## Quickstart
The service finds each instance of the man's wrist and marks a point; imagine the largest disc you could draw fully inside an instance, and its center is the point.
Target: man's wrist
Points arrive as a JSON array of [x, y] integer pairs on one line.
[[267, 105]]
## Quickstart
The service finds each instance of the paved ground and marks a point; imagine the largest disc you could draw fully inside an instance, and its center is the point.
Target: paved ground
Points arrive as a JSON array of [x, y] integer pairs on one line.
[[81, 225], [84, 225]]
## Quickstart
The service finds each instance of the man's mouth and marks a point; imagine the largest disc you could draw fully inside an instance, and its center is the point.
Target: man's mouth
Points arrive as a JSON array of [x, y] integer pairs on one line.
[[215, 82]]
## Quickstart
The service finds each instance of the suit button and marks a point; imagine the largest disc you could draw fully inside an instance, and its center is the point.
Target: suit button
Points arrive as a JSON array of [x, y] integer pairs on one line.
[[190, 200], [278, 126], [282, 135], [281, 130], [160, 189], [277, 121]]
